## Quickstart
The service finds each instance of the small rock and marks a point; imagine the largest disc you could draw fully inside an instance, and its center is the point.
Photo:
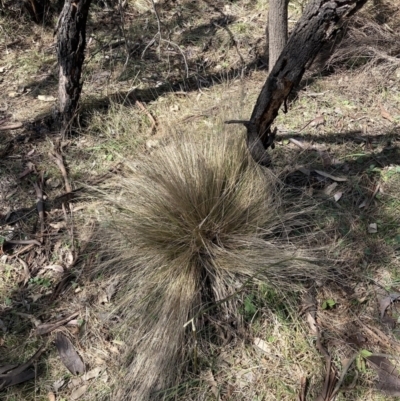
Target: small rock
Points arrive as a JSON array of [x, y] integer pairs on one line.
[[372, 228]]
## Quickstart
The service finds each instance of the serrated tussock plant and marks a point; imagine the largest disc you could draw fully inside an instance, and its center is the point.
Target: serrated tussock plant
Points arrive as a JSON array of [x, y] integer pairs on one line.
[[188, 225]]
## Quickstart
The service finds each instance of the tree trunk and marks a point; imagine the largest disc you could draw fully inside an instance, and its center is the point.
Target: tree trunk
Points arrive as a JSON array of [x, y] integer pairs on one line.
[[277, 30], [318, 24], [71, 43]]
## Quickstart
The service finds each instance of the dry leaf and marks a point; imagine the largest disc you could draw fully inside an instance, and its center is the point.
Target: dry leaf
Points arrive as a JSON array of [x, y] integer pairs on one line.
[[304, 170], [337, 196], [75, 382], [59, 225], [326, 158], [328, 190], [332, 177], [104, 377], [69, 258], [208, 377], [79, 392], [319, 120], [58, 384], [56, 268], [68, 355], [51, 396], [386, 302], [103, 298], [262, 345], [312, 323], [385, 114], [46, 98], [93, 373], [152, 143], [372, 228], [111, 289], [363, 203]]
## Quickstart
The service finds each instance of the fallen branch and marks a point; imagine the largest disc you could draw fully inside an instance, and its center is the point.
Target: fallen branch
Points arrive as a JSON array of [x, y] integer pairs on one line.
[[16, 375], [46, 328]]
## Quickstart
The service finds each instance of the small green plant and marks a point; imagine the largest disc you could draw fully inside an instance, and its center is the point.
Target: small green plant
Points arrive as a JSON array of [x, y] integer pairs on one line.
[[372, 169], [328, 304], [249, 307], [388, 174], [360, 360], [41, 281]]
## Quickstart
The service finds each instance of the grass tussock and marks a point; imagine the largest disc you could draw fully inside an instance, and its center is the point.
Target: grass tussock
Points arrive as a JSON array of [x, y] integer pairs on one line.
[[190, 225]]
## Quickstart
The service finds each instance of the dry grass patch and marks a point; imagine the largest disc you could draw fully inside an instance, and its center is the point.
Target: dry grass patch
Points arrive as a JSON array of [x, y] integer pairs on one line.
[[192, 223]]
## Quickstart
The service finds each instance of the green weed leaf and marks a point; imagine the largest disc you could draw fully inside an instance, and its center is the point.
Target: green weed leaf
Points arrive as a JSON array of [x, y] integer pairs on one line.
[[365, 353], [328, 304]]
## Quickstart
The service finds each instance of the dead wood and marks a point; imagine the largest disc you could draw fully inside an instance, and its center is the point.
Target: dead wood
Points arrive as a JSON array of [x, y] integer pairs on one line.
[[318, 25], [19, 374], [46, 328]]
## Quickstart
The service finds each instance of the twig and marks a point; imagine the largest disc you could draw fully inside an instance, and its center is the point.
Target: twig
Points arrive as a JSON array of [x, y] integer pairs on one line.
[[23, 242], [49, 327], [40, 207], [303, 389], [71, 229], [152, 41], [180, 50], [343, 374], [121, 13], [144, 109], [161, 39], [27, 273], [297, 143], [23, 250], [60, 164], [158, 24], [244, 122]]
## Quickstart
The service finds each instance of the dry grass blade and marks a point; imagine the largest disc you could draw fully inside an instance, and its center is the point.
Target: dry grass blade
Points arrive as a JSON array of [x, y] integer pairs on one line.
[[187, 225], [370, 41]]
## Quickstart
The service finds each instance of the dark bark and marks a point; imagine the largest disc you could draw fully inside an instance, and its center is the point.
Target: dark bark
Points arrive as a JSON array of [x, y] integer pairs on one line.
[[317, 26], [71, 43], [277, 30]]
